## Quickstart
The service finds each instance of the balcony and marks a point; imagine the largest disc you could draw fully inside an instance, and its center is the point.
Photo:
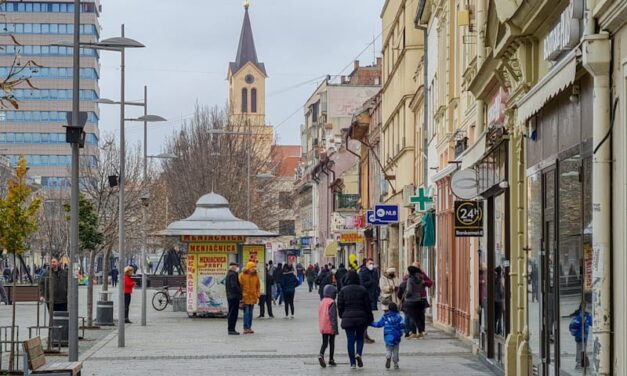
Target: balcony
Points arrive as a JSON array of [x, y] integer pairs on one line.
[[347, 201]]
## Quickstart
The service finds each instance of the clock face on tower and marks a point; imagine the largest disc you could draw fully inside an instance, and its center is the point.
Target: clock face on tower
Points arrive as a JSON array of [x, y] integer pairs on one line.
[[249, 78]]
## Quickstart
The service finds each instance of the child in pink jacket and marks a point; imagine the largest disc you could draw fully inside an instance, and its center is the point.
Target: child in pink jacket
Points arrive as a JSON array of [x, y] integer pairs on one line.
[[327, 317]]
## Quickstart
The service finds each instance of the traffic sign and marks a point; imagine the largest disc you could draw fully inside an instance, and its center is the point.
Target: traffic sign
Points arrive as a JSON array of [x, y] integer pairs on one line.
[[422, 201], [468, 218], [386, 213], [371, 219]]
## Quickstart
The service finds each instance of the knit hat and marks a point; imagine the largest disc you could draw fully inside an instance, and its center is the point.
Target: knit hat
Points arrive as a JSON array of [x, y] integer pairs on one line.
[[329, 291], [391, 270], [250, 265]]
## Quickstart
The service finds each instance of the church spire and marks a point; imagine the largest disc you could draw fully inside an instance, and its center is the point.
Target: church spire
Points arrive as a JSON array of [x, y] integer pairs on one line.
[[246, 51]]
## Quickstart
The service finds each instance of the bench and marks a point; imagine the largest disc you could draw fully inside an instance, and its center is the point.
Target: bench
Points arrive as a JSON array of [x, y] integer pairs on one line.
[[35, 361]]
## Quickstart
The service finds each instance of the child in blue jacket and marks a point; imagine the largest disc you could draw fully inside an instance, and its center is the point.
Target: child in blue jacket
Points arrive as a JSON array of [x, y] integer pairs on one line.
[[579, 328], [393, 326]]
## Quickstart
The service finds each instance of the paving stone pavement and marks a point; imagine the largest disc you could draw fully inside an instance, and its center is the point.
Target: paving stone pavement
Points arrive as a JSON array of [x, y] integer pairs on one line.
[[173, 344]]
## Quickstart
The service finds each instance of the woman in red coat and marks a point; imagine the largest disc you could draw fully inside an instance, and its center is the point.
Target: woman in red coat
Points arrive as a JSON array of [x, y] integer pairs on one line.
[[128, 290]]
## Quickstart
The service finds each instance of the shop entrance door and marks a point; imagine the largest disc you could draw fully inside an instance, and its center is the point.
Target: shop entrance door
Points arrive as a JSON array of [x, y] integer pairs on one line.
[[548, 298]]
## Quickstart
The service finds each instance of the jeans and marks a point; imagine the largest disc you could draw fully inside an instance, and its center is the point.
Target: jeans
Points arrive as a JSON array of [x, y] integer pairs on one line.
[[127, 305], [410, 325], [355, 336], [233, 312], [279, 294], [248, 316], [391, 352], [301, 279], [265, 301], [289, 301], [328, 340]]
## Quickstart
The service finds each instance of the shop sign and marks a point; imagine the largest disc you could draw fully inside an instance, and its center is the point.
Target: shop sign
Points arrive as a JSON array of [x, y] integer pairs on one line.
[[212, 238], [567, 33], [371, 219], [498, 105], [210, 295], [190, 283], [465, 184], [386, 213], [351, 237], [212, 248], [468, 218], [257, 254], [350, 222], [305, 241]]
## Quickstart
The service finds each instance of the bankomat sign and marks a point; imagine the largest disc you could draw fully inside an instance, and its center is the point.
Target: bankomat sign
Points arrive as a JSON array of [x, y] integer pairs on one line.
[[567, 33]]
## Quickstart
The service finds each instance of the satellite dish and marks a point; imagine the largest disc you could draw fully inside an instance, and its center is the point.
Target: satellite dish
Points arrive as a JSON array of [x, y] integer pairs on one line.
[[465, 184]]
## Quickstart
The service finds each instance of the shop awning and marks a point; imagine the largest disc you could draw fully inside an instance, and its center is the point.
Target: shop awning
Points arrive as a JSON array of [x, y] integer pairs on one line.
[[559, 78], [331, 249], [474, 153]]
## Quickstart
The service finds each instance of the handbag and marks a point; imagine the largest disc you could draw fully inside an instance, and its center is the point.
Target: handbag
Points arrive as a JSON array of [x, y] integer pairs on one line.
[[386, 300]]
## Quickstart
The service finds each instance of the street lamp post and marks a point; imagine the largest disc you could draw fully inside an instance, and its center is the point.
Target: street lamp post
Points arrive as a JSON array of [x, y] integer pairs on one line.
[[145, 119]]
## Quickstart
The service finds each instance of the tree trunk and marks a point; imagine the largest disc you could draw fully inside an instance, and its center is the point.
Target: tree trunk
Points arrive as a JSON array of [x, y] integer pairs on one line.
[[13, 296], [90, 288], [105, 269]]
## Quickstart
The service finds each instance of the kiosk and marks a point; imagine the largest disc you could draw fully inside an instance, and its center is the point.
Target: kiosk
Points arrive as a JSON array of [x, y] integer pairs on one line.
[[214, 238]]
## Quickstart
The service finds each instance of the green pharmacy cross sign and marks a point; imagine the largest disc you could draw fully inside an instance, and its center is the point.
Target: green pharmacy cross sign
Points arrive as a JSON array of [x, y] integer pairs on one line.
[[422, 200]]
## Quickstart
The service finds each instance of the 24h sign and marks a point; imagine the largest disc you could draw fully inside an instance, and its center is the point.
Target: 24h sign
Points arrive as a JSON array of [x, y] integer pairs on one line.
[[468, 218]]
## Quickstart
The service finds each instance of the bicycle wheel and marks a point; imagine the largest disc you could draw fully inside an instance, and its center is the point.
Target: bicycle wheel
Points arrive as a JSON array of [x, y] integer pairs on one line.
[[160, 300]]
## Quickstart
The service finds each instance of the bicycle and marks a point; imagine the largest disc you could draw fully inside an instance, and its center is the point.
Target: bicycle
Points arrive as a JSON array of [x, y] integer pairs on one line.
[[161, 298]]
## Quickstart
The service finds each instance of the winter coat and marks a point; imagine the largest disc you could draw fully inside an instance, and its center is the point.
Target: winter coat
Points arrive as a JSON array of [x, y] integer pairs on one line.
[[128, 284], [276, 275], [114, 274], [369, 279], [389, 287], [288, 282], [393, 327], [327, 312], [412, 294], [576, 323], [310, 274], [251, 287], [233, 288], [58, 279], [299, 269], [353, 304], [269, 276], [339, 276], [426, 282], [324, 278]]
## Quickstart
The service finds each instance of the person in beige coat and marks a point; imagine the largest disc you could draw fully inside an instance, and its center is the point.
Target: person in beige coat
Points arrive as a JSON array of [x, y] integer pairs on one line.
[[388, 284]]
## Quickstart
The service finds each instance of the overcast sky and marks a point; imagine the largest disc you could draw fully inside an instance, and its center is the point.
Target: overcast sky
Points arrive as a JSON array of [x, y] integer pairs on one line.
[[190, 43]]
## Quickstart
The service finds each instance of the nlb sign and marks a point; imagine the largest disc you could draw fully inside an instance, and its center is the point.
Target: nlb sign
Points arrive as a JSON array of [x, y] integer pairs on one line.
[[386, 213], [371, 219], [567, 33]]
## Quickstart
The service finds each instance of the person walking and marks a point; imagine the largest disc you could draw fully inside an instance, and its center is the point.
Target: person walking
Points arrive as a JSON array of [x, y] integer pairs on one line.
[[412, 298], [340, 274], [300, 273], [114, 276], [128, 291], [265, 300], [392, 323], [369, 279], [389, 284], [323, 279], [424, 300], [310, 275], [410, 325], [327, 320], [53, 287], [233, 297], [249, 281], [3, 293], [288, 282], [276, 276], [354, 308]]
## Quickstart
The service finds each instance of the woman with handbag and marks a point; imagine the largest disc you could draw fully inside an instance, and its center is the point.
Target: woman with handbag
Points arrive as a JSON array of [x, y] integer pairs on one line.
[[251, 288], [389, 284]]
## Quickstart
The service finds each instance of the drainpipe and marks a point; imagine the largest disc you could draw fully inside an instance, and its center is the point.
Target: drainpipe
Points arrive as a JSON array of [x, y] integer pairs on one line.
[[425, 101], [597, 57], [481, 21]]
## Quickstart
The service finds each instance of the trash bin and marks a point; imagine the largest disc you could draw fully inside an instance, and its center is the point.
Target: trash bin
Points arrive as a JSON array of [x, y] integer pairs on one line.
[[179, 304], [60, 332], [104, 310]]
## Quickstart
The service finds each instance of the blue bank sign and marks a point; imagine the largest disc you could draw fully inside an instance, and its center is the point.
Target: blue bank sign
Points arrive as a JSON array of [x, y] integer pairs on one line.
[[372, 220], [386, 213]]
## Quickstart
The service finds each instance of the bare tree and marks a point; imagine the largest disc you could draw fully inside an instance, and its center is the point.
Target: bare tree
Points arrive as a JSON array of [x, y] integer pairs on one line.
[[208, 161]]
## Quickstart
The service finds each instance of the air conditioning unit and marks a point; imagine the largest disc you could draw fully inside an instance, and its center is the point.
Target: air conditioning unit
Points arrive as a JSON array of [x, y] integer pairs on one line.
[[408, 191]]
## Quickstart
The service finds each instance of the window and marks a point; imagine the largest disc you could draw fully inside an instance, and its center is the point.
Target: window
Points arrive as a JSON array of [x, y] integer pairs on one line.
[[244, 100], [253, 100], [286, 227], [285, 200]]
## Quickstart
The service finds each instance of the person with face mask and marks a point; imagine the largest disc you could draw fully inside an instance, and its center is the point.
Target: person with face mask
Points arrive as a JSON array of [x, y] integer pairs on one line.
[[233, 296], [389, 284], [368, 278]]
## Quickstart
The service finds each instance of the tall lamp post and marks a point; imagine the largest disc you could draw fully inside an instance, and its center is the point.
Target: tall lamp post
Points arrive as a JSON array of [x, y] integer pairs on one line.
[[145, 119], [118, 44]]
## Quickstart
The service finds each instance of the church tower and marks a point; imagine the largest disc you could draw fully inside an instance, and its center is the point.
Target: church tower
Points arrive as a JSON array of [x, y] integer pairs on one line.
[[247, 80]]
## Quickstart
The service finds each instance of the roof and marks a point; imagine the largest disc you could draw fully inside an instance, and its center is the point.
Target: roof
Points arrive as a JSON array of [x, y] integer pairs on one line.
[[246, 51], [213, 217], [287, 158]]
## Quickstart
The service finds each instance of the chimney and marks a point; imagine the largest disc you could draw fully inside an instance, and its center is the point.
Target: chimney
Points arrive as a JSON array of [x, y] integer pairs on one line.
[[378, 61], [356, 64], [343, 79]]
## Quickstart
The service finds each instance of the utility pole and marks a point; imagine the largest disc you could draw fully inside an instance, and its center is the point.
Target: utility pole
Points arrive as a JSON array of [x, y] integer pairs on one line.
[[144, 204], [121, 227]]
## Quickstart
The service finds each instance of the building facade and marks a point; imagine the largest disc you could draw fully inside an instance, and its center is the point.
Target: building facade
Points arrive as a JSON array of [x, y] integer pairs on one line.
[[35, 129]]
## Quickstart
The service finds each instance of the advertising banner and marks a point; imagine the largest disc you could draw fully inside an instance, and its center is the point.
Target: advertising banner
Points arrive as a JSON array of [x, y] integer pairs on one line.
[[211, 271], [257, 254], [216, 238], [190, 283], [211, 247], [351, 237]]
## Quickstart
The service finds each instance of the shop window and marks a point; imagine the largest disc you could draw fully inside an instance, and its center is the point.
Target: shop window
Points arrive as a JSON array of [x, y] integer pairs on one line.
[[534, 246]]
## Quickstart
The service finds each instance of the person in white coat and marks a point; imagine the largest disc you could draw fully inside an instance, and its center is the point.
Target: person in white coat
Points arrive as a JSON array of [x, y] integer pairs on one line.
[[389, 284]]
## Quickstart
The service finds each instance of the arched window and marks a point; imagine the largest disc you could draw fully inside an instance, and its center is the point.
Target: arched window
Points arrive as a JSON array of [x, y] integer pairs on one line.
[[244, 100], [253, 100]]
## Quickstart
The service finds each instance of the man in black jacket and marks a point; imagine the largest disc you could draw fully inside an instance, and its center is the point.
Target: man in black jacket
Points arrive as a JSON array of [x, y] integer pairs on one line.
[[266, 299], [53, 287], [339, 276], [370, 280], [233, 296]]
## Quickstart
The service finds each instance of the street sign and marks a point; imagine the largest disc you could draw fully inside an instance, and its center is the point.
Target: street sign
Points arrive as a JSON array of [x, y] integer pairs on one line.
[[468, 218], [422, 201], [371, 219], [386, 213]]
